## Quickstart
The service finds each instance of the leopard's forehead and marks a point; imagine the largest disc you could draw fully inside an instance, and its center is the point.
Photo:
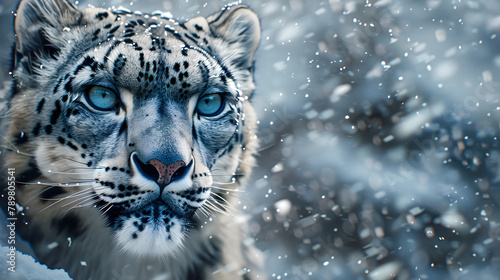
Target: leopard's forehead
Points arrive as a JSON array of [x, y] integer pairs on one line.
[[148, 53]]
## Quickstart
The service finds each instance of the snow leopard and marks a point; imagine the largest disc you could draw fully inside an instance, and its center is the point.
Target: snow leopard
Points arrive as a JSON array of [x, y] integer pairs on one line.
[[130, 134]]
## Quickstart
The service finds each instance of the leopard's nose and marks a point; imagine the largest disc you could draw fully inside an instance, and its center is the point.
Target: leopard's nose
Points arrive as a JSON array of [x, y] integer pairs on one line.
[[167, 173], [163, 174]]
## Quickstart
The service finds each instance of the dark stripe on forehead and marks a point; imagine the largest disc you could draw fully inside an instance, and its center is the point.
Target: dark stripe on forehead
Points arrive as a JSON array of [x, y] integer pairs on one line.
[[119, 64], [205, 75], [111, 48], [88, 61]]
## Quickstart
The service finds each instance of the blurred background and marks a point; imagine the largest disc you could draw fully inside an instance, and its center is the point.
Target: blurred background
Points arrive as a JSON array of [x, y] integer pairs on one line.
[[379, 126]]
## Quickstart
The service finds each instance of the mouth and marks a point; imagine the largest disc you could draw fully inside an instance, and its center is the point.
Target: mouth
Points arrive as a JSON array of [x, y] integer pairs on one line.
[[156, 228], [153, 212]]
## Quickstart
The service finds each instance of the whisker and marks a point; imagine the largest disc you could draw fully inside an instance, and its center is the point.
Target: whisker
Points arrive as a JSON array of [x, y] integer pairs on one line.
[[63, 172], [104, 212], [15, 149], [226, 189], [79, 204], [63, 185], [46, 189], [83, 163], [67, 197], [213, 207], [227, 205], [230, 194], [205, 211]]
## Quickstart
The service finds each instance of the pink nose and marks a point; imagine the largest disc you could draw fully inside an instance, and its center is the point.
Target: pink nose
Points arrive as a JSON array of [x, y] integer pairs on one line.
[[166, 172]]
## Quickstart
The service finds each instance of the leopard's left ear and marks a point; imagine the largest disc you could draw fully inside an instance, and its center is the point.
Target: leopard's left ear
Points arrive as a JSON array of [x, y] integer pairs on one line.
[[240, 27], [39, 25]]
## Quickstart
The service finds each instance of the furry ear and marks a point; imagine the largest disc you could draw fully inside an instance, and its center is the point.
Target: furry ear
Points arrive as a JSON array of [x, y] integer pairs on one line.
[[239, 26], [38, 26]]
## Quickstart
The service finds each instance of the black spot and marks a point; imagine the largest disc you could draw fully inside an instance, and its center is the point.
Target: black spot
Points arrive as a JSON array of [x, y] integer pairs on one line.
[[48, 129], [36, 129], [102, 15], [119, 64], [40, 105], [190, 37], [69, 87], [56, 88], [113, 30], [72, 146], [56, 112], [51, 192], [68, 113], [177, 67], [96, 33], [123, 127], [198, 28], [70, 224], [141, 58]]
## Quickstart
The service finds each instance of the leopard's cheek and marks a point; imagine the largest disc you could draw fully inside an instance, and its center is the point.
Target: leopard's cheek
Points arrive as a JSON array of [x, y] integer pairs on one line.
[[115, 183]]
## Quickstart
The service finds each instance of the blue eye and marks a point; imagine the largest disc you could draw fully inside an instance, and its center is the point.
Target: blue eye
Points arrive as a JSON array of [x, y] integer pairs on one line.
[[102, 98], [210, 105]]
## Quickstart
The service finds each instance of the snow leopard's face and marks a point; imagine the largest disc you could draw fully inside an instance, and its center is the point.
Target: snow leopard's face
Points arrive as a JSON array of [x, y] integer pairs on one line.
[[130, 119]]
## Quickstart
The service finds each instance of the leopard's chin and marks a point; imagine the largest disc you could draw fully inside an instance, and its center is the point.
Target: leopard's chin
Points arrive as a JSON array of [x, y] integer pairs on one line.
[[157, 229]]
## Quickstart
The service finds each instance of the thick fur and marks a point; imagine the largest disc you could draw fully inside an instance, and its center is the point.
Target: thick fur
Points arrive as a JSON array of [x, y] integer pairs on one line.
[[93, 202]]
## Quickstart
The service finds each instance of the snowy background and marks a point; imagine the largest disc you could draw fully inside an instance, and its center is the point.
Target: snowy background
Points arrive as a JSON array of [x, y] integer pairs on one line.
[[378, 124]]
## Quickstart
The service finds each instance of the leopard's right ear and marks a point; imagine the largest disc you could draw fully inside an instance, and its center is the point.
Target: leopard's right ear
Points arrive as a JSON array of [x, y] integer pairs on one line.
[[38, 27]]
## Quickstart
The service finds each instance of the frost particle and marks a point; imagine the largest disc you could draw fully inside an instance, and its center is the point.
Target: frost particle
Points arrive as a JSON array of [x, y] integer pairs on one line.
[[52, 245]]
